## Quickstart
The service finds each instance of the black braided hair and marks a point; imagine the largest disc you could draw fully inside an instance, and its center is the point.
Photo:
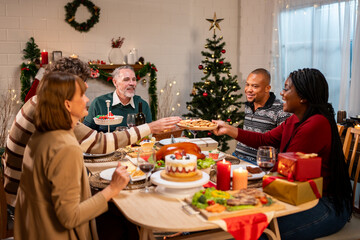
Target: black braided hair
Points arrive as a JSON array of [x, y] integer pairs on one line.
[[310, 84]]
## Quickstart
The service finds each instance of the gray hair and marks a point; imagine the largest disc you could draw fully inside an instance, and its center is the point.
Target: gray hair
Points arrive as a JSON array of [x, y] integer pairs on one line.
[[116, 72]]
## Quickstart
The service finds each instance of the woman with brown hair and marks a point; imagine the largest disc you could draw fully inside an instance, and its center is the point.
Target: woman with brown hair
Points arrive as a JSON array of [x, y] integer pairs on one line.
[[54, 199]]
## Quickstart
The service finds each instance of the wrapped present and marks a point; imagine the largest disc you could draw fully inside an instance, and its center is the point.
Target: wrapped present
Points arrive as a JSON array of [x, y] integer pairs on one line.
[[206, 144], [299, 166], [294, 192]]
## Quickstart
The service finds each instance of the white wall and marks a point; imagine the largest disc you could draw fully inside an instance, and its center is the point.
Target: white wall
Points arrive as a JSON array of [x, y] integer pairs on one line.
[[169, 33]]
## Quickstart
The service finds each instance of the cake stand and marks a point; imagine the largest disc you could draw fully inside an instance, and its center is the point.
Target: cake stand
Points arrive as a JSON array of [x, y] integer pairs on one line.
[[107, 122], [178, 189]]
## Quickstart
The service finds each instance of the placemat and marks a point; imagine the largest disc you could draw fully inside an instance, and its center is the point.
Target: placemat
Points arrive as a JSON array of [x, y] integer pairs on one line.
[[97, 182], [117, 156]]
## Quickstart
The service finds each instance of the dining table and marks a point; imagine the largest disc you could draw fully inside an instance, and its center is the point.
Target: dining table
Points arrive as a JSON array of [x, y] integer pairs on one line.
[[155, 212]]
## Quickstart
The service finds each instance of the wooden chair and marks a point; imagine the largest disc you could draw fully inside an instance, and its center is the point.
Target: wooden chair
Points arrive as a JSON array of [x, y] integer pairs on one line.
[[351, 134], [340, 129], [4, 231]]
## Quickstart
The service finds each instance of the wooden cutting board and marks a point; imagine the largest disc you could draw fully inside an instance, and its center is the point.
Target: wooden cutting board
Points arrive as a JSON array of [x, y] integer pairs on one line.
[[275, 206]]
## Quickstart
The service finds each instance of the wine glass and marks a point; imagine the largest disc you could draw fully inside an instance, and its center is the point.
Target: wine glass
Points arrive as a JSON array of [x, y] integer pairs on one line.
[[266, 158], [130, 120], [146, 159], [193, 133]]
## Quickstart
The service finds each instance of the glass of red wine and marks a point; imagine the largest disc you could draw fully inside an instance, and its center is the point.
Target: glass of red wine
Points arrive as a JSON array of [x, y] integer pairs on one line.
[[266, 158], [130, 120], [146, 159]]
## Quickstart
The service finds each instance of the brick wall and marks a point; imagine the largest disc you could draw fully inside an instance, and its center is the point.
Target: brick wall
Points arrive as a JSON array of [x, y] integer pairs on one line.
[[169, 33]]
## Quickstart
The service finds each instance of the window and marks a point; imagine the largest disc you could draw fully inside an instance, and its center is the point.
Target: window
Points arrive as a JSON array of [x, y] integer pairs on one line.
[[318, 36]]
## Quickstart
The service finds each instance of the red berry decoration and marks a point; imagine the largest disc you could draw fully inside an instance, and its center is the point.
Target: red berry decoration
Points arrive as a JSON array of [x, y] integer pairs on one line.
[[223, 51], [228, 120], [221, 62], [209, 133], [205, 94], [200, 67]]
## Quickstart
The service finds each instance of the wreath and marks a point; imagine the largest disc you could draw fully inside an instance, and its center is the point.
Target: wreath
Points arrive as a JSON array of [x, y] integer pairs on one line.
[[71, 9]]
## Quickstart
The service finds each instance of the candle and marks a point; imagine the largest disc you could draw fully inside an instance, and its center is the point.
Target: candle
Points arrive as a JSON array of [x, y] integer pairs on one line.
[[44, 57], [240, 178], [223, 175]]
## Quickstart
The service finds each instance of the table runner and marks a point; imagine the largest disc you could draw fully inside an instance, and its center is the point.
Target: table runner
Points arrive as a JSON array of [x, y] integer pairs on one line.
[[247, 227]]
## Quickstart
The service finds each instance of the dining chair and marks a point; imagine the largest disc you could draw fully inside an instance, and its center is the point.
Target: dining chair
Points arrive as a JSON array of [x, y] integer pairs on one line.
[[340, 129], [353, 162], [5, 232]]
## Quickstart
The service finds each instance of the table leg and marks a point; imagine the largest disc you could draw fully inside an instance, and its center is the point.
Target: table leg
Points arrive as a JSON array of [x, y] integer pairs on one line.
[[273, 230], [146, 234]]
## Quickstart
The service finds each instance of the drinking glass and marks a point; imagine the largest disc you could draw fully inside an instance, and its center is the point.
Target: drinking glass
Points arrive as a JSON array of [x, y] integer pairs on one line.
[[266, 158], [130, 120], [146, 159]]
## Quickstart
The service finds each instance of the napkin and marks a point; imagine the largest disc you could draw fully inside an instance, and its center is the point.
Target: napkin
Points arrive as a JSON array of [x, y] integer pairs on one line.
[[209, 184], [246, 227]]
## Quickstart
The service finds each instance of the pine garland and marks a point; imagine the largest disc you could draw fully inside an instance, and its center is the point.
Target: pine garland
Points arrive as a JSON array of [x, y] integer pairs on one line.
[[149, 69], [31, 51], [71, 9], [28, 71]]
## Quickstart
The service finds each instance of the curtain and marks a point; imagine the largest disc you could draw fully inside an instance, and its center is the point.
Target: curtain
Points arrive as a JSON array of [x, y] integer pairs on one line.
[[315, 34], [354, 100]]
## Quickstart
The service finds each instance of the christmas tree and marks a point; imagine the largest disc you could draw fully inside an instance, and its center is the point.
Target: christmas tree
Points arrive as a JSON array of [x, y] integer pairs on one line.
[[216, 95]]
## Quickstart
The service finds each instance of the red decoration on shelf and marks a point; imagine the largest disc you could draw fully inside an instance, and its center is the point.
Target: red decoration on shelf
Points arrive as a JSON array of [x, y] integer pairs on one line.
[[44, 57], [223, 51], [228, 120], [205, 94], [209, 133], [200, 67], [221, 62]]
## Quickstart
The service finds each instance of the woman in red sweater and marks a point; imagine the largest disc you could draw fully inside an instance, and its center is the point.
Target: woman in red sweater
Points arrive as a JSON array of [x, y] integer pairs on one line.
[[311, 129]]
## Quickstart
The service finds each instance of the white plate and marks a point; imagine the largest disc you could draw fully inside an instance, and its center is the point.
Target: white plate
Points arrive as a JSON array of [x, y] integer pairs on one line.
[[221, 155], [91, 155], [107, 175], [117, 120], [167, 141], [253, 177], [177, 192], [157, 180]]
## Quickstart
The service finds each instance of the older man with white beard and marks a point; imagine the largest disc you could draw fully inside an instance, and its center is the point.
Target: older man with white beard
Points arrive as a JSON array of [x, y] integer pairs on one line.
[[122, 101]]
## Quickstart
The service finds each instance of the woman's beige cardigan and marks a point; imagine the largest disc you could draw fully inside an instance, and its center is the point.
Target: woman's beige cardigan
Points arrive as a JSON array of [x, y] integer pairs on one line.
[[54, 199]]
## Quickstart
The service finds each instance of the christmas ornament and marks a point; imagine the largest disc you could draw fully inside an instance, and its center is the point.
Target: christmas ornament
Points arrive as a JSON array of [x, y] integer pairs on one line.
[[225, 88], [223, 51], [214, 23], [205, 94], [200, 67], [212, 55], [221, 62], [207, 82], [206, 46], [71, 9], [193, 91], [228, 120], [205, 71], [209, 133]]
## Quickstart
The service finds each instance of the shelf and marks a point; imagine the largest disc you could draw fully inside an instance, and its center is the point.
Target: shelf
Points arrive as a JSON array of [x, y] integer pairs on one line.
[[111, 67]]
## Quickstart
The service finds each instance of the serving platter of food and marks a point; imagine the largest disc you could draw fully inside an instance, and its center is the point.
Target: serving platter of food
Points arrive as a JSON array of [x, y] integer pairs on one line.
[[108, 119], [197, 124], [215, 204]]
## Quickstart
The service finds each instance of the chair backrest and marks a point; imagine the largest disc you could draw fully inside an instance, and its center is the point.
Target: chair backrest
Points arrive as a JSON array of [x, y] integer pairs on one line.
[[351, 134], [340, 129]]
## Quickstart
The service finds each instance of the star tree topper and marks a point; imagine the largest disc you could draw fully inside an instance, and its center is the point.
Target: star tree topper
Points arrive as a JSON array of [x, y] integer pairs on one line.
[[214, 23]]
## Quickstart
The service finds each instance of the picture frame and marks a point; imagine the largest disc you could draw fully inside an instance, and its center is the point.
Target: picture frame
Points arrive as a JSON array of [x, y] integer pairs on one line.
[[56, 55]]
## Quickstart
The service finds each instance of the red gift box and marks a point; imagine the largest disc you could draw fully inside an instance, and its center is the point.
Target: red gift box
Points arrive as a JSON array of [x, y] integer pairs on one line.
[[299, 166]]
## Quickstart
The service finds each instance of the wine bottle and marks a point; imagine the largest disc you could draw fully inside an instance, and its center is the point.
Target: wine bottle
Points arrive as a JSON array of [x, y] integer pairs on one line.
[[140, 117]]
